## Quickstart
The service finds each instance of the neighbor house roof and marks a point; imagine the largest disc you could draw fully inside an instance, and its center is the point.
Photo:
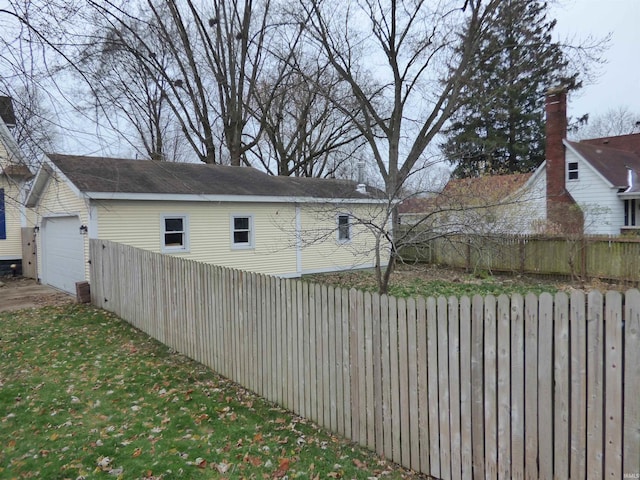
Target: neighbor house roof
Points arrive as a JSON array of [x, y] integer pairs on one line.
[[485, 189], [628, 143], [416, 205], [476, 191], [117, 178], [611, 163]]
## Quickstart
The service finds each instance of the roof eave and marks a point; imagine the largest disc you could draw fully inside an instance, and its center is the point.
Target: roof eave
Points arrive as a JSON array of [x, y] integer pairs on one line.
[[177, 197]]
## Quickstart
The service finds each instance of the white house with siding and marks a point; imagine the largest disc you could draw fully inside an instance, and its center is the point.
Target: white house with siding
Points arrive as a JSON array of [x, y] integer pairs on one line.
[[235, 217], [14, 174], [596, 177], [602, 179]]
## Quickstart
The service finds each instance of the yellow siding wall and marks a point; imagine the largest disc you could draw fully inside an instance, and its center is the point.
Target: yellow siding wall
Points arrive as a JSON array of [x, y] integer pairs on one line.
[[11, 248], [58, 199], [138, 223], [323, 252]]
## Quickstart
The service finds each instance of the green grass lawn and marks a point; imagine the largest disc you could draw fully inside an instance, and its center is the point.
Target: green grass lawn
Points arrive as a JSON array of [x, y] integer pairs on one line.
[[84, 395]]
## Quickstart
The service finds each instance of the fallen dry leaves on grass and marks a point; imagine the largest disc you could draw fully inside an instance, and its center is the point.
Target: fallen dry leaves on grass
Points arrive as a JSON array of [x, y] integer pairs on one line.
[[83, 395]]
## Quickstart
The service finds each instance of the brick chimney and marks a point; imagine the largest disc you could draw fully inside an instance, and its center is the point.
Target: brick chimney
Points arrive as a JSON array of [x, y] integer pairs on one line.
[[563, 214]]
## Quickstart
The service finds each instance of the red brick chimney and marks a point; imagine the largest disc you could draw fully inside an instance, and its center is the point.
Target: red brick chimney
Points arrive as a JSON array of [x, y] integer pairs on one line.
[[563, 214]]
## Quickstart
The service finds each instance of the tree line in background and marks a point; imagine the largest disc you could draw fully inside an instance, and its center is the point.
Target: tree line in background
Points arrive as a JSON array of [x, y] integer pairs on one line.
[[303, 88]]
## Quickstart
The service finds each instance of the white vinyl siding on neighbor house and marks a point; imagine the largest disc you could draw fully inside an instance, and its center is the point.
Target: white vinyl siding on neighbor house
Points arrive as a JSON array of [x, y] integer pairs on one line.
[[58, 200], [136, 223], [533, 208], [603, 209], [11, 245]]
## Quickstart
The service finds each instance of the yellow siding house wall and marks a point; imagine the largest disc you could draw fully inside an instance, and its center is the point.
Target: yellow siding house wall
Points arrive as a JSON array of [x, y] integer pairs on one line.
[[323, 251], [139, 224], [11, 247], [289, 239]]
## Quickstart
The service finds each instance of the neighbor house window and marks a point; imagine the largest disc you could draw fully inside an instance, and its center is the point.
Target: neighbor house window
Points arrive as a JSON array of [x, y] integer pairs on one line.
[[572, 171], [174, 233], [344, 228], [242, 231]]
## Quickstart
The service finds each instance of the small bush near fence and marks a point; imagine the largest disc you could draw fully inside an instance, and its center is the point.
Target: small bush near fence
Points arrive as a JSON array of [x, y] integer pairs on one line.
[[484, 387]]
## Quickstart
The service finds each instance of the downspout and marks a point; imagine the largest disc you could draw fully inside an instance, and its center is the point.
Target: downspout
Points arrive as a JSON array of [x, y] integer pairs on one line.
[[298, 241]]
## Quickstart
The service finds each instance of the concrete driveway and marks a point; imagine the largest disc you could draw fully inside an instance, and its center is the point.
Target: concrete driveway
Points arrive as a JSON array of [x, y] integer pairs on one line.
[[19, 293]]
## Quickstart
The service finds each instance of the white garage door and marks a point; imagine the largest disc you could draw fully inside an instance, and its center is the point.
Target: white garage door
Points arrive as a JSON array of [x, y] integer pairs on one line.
[[62, 253]]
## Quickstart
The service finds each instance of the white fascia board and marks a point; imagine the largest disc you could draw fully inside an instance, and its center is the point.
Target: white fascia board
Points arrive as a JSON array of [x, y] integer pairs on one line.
[[585, 161], [38, 186], [174, 197], [46, 172], [629, 195]]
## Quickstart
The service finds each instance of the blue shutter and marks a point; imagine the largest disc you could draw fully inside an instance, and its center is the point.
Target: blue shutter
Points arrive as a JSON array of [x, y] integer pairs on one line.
[[3, 223]]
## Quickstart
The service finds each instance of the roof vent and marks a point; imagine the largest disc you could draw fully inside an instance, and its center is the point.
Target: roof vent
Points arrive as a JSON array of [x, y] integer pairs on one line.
[[361, 188]]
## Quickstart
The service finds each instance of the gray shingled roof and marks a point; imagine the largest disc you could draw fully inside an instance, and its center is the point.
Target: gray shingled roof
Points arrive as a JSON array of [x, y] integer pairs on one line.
[[116, 175], [611, 163]]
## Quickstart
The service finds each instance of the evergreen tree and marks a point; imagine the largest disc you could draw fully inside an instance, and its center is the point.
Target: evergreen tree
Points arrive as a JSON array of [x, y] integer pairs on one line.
[[500, 127]]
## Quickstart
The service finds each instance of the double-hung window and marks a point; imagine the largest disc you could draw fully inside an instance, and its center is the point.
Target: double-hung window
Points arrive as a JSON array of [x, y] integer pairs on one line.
[[344, 228], [572, 171], [241, 231], [175, 233]]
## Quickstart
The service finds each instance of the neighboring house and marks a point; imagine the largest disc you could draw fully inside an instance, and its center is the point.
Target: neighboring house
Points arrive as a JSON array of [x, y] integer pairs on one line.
[[482, 205], [591, 186], [236, 217], [14, 175], [597, 177]]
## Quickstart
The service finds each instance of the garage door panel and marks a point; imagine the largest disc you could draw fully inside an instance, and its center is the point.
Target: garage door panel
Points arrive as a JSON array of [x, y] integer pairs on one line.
[[63, 252]]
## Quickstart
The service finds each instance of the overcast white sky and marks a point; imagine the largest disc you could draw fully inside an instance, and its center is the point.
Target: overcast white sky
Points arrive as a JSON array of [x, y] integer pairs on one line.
[[619, 82]]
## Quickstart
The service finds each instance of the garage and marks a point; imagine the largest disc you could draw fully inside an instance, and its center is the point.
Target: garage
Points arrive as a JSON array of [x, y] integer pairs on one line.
[[62, 252]]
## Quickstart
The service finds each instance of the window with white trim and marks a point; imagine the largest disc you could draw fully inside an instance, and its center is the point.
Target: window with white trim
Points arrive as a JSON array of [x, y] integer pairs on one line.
[[572, 171], [175, 233], [241, 231], [344, 228]]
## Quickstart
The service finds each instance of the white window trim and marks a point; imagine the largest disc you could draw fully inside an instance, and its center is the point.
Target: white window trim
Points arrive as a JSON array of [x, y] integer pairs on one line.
[[349, 224], [576, 170], [241, 246], [185, 226]]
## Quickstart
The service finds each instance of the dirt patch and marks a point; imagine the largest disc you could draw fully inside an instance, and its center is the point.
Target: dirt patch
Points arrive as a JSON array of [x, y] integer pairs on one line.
[[434, 272], [423, 279], [17, 293]]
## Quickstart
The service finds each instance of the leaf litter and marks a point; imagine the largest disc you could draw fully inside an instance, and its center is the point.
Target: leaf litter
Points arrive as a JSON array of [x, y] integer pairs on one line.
[[84, 395]]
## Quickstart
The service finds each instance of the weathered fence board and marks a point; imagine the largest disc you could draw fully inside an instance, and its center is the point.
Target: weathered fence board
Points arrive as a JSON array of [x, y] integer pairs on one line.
[[616, 258], [507, 387]]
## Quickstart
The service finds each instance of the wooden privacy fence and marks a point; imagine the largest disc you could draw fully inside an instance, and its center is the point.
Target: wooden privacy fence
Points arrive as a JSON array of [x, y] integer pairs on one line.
[[535, 387], [615, 258]]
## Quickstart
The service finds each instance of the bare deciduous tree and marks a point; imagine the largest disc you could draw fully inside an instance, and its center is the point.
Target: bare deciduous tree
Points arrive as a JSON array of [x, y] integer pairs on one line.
[[405, 63], [613, 122], [305, 134]]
